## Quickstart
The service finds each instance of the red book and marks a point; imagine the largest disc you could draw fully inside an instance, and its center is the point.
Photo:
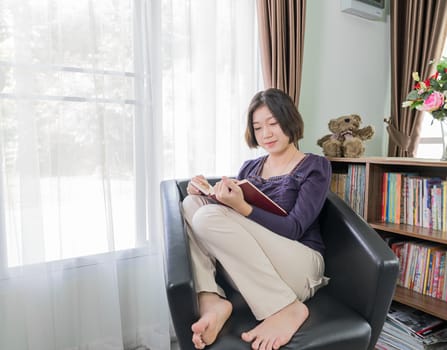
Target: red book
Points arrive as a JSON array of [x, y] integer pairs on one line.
[[252, 195]]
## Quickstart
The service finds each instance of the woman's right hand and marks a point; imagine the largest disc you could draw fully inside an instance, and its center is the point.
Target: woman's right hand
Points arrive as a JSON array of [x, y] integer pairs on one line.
[[199, 179]]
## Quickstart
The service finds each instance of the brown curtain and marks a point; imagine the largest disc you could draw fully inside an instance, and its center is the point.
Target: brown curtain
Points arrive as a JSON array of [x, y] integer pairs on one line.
[[418, 31], [281, 32]]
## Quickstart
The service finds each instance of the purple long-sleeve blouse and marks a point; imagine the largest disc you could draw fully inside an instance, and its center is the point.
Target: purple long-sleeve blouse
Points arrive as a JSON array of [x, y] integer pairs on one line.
[[301, 193]]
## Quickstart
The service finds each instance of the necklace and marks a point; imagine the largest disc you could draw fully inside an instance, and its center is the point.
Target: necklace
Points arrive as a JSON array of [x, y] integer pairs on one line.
[[272, 171]]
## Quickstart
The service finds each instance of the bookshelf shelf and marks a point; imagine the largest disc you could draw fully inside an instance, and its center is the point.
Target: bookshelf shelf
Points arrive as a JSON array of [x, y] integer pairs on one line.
[[412, 231], [421, 302], [374, 168]]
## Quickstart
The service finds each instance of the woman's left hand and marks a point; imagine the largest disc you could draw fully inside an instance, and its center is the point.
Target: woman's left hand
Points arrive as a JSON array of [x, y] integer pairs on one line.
[[229, 193]]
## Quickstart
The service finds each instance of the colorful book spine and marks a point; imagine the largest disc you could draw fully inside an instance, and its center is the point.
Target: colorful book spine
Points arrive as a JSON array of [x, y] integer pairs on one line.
[[393, 189], [436, 268], [429, 285], [397, 197], [444, 206], [384, 197], [412, 200], [441, 280]]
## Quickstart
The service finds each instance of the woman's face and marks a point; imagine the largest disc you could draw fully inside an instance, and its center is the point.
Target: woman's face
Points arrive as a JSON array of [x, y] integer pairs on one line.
[[268, 132]]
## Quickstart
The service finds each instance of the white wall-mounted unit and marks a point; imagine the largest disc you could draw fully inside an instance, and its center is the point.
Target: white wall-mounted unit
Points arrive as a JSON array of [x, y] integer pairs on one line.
[[369, 9]]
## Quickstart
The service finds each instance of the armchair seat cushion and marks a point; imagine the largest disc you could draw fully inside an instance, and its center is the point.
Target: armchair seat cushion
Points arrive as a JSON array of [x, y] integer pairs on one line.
[[331, 326]]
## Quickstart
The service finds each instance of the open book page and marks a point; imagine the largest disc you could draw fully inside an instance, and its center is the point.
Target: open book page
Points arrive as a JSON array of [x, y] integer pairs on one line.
[[205, 189], [252, 195]]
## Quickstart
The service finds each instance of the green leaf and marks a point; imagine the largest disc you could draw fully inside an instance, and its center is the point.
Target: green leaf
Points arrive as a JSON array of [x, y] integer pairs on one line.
[[435, 84], [439, 114], [417, 103], [442, 65], [413, 95]]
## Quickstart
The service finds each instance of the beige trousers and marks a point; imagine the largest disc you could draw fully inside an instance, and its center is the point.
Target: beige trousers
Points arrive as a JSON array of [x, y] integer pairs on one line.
[[270, 271]]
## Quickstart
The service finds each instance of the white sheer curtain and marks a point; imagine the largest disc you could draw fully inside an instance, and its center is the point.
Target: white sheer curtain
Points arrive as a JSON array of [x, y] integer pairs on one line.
[[210, 73], [78, 267], [99, 101]]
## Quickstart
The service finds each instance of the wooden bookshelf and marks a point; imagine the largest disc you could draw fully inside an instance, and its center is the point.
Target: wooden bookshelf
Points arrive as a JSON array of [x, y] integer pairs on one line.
[[375, 168]]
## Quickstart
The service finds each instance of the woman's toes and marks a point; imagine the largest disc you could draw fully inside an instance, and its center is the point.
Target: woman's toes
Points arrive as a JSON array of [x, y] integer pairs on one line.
[[248, 336], [197, 341]]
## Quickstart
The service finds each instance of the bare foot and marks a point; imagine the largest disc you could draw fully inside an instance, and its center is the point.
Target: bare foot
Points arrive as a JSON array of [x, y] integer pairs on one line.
[[277, 329], [214, 312]]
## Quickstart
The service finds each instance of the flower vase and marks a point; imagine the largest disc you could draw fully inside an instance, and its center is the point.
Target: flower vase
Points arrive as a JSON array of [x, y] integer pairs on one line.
[[443, 123]]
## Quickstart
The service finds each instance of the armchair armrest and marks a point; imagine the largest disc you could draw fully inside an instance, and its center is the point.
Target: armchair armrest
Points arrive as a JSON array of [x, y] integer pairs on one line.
[[363, 269]]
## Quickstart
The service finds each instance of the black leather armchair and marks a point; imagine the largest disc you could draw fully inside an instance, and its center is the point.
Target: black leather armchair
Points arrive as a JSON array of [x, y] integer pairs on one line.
[[348, 314]]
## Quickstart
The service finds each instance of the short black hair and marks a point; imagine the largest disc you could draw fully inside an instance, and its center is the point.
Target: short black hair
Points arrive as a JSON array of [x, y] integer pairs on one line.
[[284, 111]]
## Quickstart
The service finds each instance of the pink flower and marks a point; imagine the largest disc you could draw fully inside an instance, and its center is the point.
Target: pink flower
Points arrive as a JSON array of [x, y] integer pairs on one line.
[[433, 102]]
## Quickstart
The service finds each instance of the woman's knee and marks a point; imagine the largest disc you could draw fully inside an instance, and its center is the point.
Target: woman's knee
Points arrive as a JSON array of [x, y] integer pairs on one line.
[[191, 204], [208, 219]]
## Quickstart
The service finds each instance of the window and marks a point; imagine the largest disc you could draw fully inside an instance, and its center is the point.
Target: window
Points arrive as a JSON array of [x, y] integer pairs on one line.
[[67, 128], [430, 144]]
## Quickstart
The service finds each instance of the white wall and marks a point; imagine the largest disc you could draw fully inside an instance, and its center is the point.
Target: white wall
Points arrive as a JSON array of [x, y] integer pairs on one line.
[[346, 70]]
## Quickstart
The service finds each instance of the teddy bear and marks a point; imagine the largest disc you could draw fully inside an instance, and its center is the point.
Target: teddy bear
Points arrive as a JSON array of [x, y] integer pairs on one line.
[[347, 137]]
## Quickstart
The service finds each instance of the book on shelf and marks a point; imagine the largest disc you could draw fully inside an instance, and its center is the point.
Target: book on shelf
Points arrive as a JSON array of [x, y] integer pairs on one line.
[[384, 214], [444, 206], [422, 266], [399, 249], [350, 186], [252, 195], [408, 198], [441, 292]]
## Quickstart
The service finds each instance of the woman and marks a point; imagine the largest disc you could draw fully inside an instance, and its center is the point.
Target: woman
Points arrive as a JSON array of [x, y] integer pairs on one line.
[[276, 262]]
